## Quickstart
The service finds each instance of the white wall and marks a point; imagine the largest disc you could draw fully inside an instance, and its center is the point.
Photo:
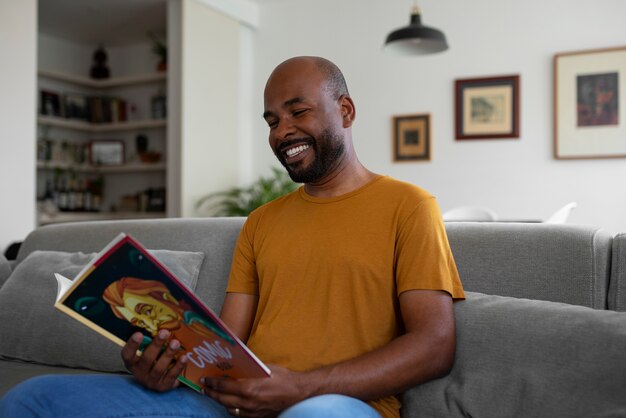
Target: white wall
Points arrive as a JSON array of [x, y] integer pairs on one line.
[[18, 49], [209, 106], [516, 178]]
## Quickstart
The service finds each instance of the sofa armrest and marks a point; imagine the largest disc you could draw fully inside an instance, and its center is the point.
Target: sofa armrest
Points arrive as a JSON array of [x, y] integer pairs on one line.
[[521, 357], [5, 269]]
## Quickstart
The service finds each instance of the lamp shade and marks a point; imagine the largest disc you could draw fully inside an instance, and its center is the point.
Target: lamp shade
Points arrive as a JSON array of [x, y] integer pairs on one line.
[[415, 39]]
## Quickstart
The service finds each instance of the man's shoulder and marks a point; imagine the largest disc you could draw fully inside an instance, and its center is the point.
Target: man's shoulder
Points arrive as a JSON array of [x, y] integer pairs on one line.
[[404, 190]]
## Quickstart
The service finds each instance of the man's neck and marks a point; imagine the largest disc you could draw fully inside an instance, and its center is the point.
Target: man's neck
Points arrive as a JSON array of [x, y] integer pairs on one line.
[[343, 180]]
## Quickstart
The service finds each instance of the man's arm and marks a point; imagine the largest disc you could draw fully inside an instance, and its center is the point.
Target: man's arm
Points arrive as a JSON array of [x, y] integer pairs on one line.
[[424, 352], [238, 313]]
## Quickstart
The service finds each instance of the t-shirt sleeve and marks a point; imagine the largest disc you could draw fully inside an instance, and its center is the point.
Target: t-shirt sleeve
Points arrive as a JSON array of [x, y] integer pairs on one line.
[[423, 258], [243, 276]]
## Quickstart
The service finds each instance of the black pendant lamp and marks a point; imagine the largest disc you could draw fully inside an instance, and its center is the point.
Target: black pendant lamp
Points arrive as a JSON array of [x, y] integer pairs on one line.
[[415, 39]]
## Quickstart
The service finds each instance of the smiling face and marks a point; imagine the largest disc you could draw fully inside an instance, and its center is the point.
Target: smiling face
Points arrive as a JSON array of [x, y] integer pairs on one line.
[[306, 120]]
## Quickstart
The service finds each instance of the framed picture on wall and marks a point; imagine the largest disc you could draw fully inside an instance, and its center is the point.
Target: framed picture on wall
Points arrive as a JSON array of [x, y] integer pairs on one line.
[[589, 104], [487, 108], [107, 152], [411, 137]]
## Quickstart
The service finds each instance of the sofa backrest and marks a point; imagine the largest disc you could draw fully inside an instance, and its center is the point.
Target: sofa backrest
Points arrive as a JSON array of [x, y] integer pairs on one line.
[[559, 263], [617, 286], [215, 237]]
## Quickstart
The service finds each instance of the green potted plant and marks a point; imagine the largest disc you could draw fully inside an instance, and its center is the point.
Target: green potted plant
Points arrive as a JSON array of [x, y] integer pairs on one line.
[[159, 48], [240, 201]]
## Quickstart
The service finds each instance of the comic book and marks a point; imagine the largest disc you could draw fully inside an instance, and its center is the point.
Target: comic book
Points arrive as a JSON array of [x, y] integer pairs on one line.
[[125, 289]]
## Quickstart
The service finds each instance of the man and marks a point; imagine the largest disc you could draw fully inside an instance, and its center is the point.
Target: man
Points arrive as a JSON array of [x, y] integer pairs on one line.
[[344, 288]]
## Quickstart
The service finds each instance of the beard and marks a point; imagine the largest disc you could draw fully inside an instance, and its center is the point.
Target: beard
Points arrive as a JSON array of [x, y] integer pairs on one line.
[[328, 149]]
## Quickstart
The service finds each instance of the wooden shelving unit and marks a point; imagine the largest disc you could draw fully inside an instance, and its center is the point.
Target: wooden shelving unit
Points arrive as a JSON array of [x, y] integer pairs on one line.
[[87, 168], [100, 127], [106, 83], [142, 176], [61, 217]]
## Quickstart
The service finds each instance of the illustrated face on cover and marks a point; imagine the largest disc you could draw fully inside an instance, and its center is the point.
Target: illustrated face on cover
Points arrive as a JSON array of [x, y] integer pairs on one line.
[[144, 303]]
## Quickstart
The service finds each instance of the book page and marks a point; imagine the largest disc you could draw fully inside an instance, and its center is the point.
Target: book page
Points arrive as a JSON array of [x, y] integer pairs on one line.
[[63, 285]]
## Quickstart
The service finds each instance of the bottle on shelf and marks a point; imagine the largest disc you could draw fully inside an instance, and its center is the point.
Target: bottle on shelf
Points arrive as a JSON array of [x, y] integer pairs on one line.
[[63, 203]]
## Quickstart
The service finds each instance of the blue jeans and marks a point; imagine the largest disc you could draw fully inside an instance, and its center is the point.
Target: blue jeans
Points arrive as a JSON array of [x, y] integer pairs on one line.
[[109, 396]]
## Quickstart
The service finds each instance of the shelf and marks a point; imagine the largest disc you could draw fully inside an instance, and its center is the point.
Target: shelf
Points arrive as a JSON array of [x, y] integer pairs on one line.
[[86, 168], [105, 83], [61, 217], [100, 127]]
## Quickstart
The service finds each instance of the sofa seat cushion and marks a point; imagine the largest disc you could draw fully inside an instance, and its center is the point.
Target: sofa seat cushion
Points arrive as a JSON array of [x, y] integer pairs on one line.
[[529, 358], [42, 334]]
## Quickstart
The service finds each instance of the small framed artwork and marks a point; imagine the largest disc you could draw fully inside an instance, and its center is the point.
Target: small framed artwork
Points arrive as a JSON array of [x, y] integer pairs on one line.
[[487, 108], [107, 152], [411, 137], [75, 106], [589, 98], [50, 103]]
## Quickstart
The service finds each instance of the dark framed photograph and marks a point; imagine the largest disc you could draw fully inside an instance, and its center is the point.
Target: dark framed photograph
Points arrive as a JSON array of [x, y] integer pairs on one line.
[[487, 108], [411, 137], [75, 106], [107, 152], [50, 103], [589, 111]]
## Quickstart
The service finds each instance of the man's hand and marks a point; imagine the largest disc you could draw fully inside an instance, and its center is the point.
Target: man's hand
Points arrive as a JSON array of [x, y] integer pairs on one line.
[[154, 369], [258, 398]]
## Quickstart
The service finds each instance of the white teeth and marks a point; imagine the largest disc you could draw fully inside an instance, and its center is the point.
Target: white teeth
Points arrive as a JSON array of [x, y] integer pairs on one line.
[[296, 150]]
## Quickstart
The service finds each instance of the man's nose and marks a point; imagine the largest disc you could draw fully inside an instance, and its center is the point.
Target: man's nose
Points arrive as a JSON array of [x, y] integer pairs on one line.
[[284, 130]]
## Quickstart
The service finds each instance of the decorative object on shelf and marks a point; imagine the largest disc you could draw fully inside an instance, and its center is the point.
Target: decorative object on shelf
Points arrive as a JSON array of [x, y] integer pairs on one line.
[[487, 108], [411, 137], [159, 105], [107, 152], [141, 143], [159, 48], [240, 201], [50, 103], [587, 99], [143, 152], [155, 199], [415, 39], [99, 68]]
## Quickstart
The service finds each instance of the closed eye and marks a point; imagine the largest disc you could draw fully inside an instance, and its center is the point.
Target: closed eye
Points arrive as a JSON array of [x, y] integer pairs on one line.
[[299, 112]]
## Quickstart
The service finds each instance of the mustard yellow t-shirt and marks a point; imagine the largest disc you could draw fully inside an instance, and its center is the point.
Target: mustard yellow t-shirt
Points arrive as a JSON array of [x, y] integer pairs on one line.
[[328, 272]]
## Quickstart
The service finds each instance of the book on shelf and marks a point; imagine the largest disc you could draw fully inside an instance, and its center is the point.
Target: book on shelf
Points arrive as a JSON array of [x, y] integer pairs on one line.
[[125, 289]]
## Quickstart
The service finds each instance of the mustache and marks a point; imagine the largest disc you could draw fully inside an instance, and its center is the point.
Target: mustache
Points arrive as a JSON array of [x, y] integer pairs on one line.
[[290, 143]]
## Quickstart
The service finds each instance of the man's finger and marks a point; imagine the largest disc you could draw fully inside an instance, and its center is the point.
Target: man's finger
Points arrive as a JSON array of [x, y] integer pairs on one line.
[[129, 351], [165, 361], [170, 379]]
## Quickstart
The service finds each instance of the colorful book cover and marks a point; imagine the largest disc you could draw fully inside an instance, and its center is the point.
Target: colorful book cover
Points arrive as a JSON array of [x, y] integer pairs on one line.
[[125, 290]]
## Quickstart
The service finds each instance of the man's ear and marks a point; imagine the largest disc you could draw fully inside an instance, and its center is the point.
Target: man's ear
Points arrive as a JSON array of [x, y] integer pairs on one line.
[[348, 111]]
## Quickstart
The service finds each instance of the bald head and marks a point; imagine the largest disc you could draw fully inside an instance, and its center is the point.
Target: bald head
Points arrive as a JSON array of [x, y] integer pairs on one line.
[[334, 82]]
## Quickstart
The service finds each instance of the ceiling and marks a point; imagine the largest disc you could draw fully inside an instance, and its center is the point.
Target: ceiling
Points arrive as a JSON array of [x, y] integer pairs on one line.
[[110, 22]]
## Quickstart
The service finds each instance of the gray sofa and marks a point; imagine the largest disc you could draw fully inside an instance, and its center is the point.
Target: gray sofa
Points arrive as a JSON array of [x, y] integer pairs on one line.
[[540, 334]]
